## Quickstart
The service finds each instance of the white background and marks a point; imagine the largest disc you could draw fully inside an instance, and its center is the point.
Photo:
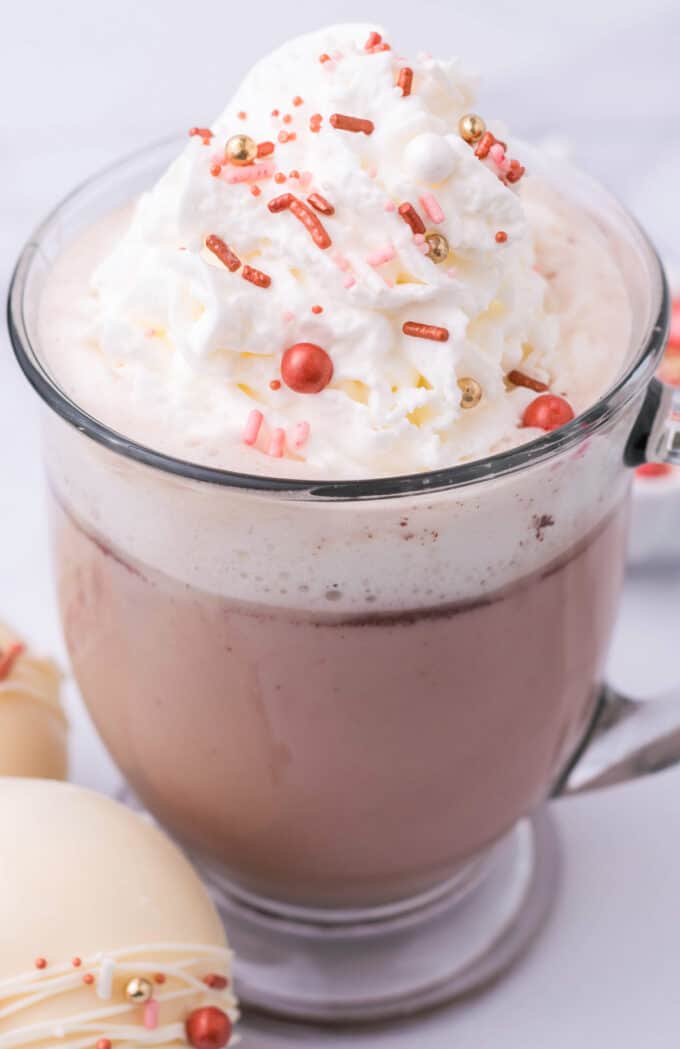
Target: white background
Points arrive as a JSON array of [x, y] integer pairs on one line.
[[86, 80]]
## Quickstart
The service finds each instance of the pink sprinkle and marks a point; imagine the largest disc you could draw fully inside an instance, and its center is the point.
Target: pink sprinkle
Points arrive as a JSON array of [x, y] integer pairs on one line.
[[497, 153], [251, 173], [381, 255], [430, 205], [252, 427], [390, 205], [418, 238], [151, 1014], [300, 434], [349, 281], [277, 443], [288, 316], [341, 262], [305, 178], [372, 171]]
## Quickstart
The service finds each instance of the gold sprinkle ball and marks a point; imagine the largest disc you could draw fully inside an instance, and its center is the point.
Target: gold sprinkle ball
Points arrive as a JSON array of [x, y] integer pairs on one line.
[[471, 127], [240, 149], [139, 990], [439, 247], [471, 393]]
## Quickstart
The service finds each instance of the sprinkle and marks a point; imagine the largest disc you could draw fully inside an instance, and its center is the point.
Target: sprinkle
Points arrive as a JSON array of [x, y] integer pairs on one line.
[[255, 190], [215, 170], [216, 982], [315, 122], [203, 132], [411, 217], [309, 220], [288, 316], [249, 173], [103, 1043], [151, 1014], [7, 661], [280, 203], [265, 149], [275, 112], [432, 208], [390, 205], [349, 281], [497, 153], [88, 978], [223, 252], [301, 434], [283, 137], [159, 977], [356, 124], [305, 178], [41, 963], [340, 261], [105, 979], [515, 171], [405, 81], [76, 962], [317, 309], [277, 443], [288, 119], [275, 384], [518, 378], [380, 47], [381, 255], [324, 58], [257, 277], [279, 178], [501, 237], [373, 40], [297, 101], [242, 115], [425, 331], [294, 173], [321, 204], [484, 145], [252, 427]]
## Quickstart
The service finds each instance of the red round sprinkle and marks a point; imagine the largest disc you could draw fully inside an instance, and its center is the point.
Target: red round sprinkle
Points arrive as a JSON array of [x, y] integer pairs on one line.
[[501, 237], [283, 136], [279, 177], [287, 119], [297, 101], [373, 40], [41, 963], [88, 978], [548, 412], [324, 58], [255, 190], [306, 368], [103, 1043], [294, 173], [159, 977], [317, 309], [76, 963], [275, 112], [275, 384], [242, 115], [215, 169], [208, 1028], [215, 980]]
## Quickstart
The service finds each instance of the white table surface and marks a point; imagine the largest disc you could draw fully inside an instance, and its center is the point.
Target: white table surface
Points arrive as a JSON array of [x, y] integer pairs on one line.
[[82, 82]]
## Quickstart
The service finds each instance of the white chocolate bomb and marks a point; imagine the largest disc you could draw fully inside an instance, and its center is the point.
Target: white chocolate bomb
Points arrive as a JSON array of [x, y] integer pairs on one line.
[[33, 727], [96, 897]]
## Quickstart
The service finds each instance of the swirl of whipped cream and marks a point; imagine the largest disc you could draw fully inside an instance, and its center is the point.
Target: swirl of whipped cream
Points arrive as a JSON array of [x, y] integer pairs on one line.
[[195, 346]]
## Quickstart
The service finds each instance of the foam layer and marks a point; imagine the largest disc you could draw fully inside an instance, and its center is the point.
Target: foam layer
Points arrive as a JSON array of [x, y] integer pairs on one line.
[[150, 332]]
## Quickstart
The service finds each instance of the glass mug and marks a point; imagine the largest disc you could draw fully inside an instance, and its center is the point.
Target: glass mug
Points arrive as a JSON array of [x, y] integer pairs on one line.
[[350, 700]]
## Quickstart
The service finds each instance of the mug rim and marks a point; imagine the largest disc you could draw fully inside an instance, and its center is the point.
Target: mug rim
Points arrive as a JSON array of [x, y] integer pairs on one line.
[[637, 374]]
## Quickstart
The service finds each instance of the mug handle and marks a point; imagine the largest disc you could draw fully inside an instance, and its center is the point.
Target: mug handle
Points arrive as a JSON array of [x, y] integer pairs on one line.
[[630, 738]]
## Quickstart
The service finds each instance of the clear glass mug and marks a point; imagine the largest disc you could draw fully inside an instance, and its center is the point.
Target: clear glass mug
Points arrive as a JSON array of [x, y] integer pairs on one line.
[[350, 700]]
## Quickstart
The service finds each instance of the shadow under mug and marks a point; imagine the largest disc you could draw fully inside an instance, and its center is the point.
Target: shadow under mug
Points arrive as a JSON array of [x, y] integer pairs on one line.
[[350, 700]]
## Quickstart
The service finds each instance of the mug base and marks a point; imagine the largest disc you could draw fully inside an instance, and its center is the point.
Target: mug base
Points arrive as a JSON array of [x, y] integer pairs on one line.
[[364, 966]]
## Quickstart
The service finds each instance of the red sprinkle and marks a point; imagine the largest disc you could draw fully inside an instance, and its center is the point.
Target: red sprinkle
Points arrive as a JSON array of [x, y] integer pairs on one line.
[[518, 378], [262, 280], [283, 136], [321, 204], [425, 331], [515, 172], [317, 309], [341, 122], [103, 1043], [275, 384], [242, 115], [411, 217], [548, 412], [7, 661], [654, 470], [280, 203], [215, 169], [41, 963], [203, 132], [76, 962], [159, 978], [501, 237], [214, 980], [88, 978], [324, 58], [484, 145], [294, 173], [288, 119], [297, 101], [279, 177], [405, 81], [312, 224], [306, 368], [265, 149], [373, 40], [256, 191], [315, 122], [275, 112], [223, 252]]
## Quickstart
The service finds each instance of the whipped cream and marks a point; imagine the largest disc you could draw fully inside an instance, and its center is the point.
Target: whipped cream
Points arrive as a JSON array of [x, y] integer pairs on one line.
[[171, 347]]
